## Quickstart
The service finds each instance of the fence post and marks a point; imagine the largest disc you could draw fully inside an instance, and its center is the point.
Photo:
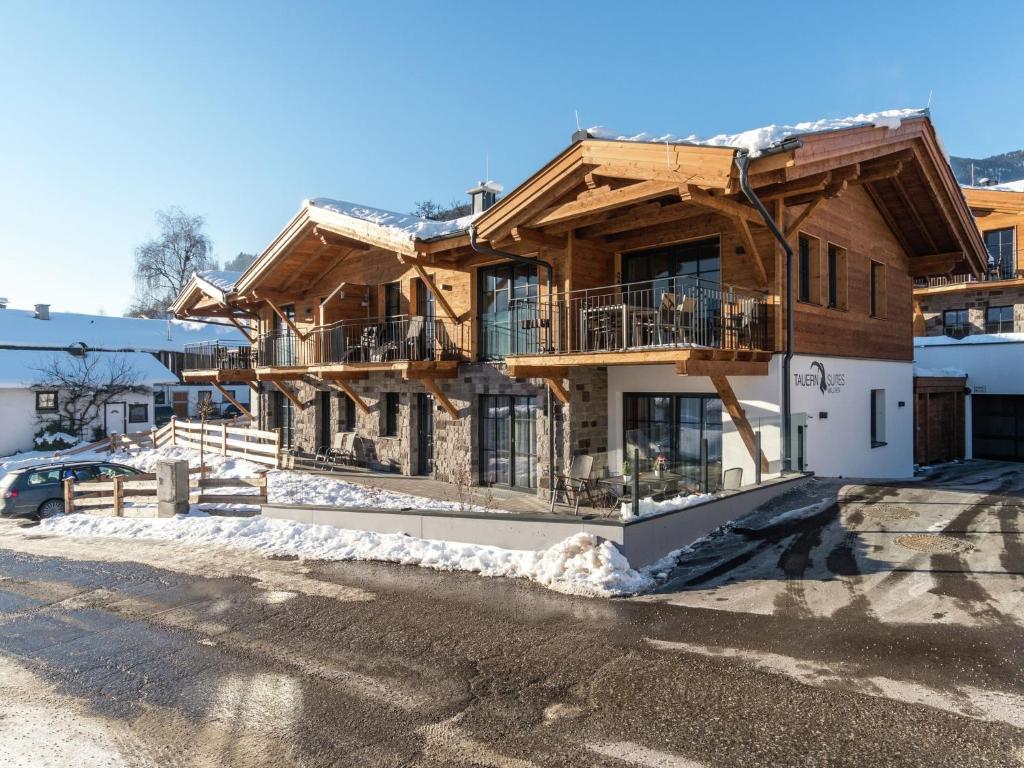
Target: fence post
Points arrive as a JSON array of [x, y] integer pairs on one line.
[[223, 439], [757, 457], [174, 430], [277, 448], [69, 495], [118, 511]]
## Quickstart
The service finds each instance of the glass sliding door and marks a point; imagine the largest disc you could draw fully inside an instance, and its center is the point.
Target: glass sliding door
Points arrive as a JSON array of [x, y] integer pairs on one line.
[[508, 440], [682, 432], [509, 311], [284, 418]]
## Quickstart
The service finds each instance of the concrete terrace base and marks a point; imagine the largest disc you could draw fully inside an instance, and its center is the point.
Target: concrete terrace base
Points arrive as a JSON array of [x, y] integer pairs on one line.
[[643, 541]]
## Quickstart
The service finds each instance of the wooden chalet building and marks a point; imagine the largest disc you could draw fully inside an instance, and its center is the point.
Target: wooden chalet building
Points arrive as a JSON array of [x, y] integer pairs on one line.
[[627, 300]]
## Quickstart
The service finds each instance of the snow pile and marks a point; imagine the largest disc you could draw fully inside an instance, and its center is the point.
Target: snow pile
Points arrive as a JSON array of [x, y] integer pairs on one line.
[[580, 565], [758, 140], [403, 225], [217, 466], [938, 373], [23, 368], [796, 514], [50, 437], [976, 338], [286, 487], [220, 279], [650, 507]]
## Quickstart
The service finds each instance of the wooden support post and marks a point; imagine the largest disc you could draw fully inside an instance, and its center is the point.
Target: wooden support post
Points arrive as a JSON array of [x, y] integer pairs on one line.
[[174, 430], [223, 439], [118, 490], [435, 390], [286, 320], [69, 495], [558, 390], [227, 396], [243, 329], [277, 448], [112, 447], [739, 418], [360, 403], [794, 226]]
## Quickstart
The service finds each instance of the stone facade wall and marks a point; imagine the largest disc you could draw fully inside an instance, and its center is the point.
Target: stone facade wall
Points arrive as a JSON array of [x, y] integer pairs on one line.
[[976, 301], [580, 427]]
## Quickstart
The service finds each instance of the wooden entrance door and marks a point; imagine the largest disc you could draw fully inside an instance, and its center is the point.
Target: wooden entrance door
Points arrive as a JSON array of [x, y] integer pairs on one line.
[[179, 400]]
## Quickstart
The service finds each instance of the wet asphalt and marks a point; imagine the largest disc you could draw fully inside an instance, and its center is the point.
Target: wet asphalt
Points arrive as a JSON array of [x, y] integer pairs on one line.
[[768, 648]]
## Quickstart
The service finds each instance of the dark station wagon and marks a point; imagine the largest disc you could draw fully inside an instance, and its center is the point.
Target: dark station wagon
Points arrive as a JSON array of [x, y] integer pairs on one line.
[[38, 490]]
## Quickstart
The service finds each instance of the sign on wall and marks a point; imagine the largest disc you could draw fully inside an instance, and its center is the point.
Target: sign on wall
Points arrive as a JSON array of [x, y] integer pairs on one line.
[[818, 377]]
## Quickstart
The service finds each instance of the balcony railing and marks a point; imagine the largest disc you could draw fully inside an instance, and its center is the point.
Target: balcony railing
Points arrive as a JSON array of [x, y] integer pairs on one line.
[[994, 276], [218, 356], [369, 340], [667, 313]]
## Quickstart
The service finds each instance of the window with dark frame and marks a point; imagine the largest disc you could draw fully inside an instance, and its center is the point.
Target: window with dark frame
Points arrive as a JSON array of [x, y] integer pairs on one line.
[[877, 289], [391, 414], [1002, 252], [138, 413], [877, 418], [348, 410], [46, 400], [805, 269], [955, 323], [159, 397], [836, 277], [999, 319]]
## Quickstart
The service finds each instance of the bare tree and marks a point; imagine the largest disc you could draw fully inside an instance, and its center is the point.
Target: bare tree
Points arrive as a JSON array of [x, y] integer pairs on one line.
[[240, 262], [84, 383], [430, 209], [165, 264]]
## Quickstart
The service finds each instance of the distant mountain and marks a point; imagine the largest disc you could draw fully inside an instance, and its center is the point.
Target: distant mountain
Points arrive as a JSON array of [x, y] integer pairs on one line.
[[1008, 166]]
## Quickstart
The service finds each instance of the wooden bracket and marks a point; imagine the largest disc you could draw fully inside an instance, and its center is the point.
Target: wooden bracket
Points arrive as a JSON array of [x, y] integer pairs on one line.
[[751, 248], [804, 214], [290, 395], [286, 320], [227, 396], [538, 238], [739, 418], [435, 390], [558, 390], [242, 328], [429, 282], [353, 395], [730, 208]]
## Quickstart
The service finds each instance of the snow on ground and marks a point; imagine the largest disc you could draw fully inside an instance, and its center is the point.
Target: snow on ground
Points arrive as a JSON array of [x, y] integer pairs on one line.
[[288, 487], [650, 507], [580, 565], [974, 338]]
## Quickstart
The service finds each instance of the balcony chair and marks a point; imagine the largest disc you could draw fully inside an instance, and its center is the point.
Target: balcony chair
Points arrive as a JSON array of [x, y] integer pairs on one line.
[[732, 479], [415, 343], [341, 451], [576, 484]]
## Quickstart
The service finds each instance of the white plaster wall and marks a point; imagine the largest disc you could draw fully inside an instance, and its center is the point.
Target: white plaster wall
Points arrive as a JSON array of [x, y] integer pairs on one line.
[[759, 396], [992, 369], [840, 444], [17, 420]]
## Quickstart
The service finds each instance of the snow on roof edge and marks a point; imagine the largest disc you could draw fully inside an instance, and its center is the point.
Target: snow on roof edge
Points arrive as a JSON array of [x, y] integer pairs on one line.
[[404, 226]]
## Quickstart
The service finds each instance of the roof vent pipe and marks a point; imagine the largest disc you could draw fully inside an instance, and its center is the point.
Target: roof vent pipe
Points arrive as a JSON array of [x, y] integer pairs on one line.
[[743, 164], [42, 312]]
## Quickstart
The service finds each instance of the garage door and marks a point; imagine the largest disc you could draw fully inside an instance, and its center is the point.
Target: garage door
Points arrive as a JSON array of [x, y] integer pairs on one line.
[[999, 427]]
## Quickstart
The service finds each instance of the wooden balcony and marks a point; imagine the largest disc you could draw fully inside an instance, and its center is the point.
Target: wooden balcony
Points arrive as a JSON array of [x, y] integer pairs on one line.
[[679, 320], [219, 361], [411, 344]]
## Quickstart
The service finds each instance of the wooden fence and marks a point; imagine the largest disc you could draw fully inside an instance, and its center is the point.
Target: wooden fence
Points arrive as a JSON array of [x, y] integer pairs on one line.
[[135, 495], [224, 438]]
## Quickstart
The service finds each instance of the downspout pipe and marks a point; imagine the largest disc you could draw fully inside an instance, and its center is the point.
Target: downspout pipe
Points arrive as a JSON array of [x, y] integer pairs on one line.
[[549, 282], [743, 165]]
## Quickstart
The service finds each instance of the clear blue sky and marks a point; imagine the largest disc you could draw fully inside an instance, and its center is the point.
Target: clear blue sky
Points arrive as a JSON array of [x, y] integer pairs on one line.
[[238, 112]]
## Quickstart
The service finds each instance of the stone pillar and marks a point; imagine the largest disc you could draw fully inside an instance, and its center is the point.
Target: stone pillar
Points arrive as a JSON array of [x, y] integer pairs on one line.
[[171, 488]]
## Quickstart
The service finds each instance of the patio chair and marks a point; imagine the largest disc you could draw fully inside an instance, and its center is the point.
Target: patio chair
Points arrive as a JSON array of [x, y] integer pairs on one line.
[[668, 320], [414, 341], [340, 451], [732, 478], [575, 484]]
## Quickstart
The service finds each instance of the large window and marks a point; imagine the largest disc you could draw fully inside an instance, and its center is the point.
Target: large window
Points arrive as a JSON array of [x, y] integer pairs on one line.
[[284, 418], [672, 269], [877, 418], [508, 440], [348, 414], [955, 323], [999, 320], [809, 269], [1002, 257], [682, 432], [138, 413], [391, 405], [509, 312]]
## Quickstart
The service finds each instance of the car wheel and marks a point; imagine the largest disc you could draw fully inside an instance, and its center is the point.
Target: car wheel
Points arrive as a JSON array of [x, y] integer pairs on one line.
[[51, 508]]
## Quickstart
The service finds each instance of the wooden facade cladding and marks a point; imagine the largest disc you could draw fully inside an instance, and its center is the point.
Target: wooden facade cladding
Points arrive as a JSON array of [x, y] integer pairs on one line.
[[939, 420]]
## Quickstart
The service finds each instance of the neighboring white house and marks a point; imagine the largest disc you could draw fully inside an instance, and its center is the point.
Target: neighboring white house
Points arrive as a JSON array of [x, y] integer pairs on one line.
[[994, 405], [32, 340]]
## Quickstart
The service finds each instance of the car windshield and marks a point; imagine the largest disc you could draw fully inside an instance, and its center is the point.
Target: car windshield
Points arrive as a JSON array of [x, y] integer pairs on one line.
[[109, 470]]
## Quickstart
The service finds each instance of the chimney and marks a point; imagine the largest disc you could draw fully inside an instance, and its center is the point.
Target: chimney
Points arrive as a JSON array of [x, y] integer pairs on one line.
[[484, 195], [42, 311]]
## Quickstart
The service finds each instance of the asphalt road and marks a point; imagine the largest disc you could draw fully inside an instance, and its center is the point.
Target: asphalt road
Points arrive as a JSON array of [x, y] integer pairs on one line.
[[816, 641]]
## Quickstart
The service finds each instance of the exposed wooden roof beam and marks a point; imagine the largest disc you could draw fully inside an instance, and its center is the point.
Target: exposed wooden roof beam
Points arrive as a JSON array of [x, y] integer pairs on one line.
[[815, 183], [538, 238], [592, 203], [725, 205], [935, 264], [889, 220], [794, 225], [901, 191], [333, 238]]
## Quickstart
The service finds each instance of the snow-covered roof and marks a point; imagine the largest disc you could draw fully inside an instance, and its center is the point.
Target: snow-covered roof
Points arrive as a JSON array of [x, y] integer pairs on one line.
[[1009, 186], [939, 373], [758, 140], [220, 279], [978, 338], [402, 225], [20, 328], [20, 368]]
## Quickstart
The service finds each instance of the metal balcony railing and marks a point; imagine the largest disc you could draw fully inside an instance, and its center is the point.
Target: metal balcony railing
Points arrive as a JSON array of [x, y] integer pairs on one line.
[[665, 313], [367, 340], [219, 355]]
